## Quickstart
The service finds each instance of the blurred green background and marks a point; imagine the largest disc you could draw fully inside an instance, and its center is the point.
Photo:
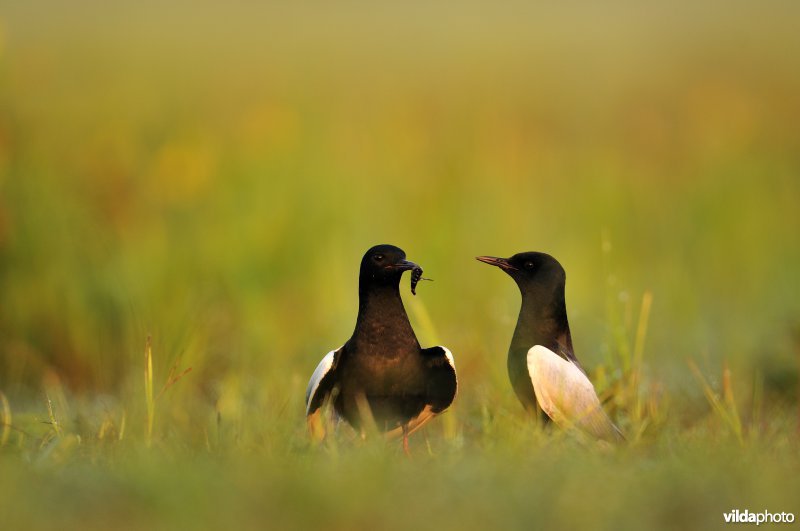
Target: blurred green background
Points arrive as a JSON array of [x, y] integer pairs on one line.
[[210, 176]]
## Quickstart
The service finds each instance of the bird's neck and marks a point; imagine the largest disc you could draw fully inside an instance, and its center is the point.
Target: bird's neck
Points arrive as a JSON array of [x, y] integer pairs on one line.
[[543, 321], [382, 322]]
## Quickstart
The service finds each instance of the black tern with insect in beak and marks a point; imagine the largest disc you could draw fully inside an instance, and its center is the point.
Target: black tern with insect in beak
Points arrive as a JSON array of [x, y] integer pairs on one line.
[[382, 371]]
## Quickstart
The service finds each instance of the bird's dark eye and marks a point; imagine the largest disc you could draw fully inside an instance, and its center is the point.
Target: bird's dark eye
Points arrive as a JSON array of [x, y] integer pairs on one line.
[[378, 258], [529, 265]]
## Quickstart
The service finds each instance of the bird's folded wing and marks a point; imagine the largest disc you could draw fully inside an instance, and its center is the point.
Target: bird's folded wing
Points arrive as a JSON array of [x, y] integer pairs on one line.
[[441, 387], [321, 382], [442, 383], [567, 396]]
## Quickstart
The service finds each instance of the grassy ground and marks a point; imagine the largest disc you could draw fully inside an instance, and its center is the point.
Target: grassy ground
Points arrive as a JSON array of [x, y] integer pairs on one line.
[[210, 178]]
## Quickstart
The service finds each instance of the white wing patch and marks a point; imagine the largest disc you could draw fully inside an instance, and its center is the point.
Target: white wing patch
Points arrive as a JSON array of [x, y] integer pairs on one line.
[[449, 356], [567, 396], [319, 373]]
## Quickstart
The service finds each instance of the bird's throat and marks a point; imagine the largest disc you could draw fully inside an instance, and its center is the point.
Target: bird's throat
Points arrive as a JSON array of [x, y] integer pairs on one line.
[[541, 323], [382, 320]]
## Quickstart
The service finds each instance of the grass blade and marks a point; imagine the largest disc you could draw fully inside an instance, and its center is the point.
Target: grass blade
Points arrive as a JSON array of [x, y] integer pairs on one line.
[[148, 391], [5, 420]]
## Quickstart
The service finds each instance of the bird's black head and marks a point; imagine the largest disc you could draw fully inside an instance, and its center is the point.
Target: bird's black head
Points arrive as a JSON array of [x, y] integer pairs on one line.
[[530, 270], [384, 265]]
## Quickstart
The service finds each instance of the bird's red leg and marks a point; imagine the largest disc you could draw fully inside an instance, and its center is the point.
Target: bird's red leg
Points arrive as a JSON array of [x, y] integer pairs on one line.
[[405, 440]]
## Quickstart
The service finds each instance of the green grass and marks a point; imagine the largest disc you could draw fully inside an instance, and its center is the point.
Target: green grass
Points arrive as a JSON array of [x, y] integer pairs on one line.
[[186, 191]]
